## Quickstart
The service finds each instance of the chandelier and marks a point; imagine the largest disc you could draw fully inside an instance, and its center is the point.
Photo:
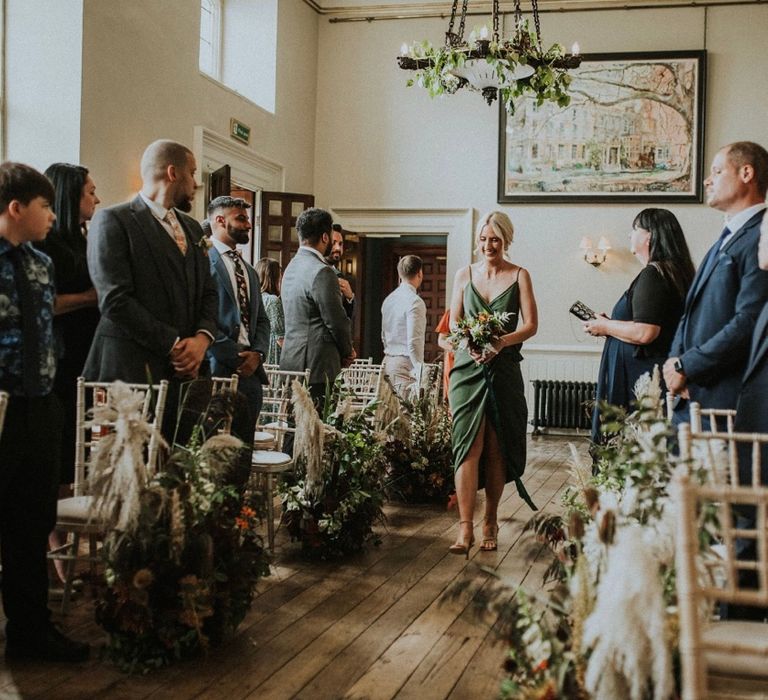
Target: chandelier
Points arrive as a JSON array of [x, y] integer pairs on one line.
[[491, 65]]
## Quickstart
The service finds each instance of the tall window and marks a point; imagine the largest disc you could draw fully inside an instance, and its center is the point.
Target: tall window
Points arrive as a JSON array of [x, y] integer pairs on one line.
[[238, 47], [210, 37]]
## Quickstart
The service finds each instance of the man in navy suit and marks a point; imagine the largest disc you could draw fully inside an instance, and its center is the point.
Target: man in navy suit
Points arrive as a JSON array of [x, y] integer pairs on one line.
[[711, 347], [242, 338]]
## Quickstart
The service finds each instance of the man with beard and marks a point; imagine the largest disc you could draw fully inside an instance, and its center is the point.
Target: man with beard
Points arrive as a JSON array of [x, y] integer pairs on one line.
[[149, 265], [243, 331], [317, 332], [334, 260]]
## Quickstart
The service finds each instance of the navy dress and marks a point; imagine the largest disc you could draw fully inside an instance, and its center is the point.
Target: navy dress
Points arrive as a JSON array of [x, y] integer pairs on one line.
[[651, 299]]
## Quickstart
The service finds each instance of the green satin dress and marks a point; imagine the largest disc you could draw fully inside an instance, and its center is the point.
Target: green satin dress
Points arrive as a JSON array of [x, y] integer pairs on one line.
[[494, 390]]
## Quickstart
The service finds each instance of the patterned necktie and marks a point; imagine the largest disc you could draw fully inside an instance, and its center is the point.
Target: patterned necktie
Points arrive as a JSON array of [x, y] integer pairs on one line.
[[242, 289], [31, 337], [178, 232]]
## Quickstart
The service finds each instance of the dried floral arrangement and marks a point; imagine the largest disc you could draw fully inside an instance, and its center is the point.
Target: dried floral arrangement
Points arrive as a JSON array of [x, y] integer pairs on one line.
[[418, 448], [334, 497], [604, 625], [182, 556]]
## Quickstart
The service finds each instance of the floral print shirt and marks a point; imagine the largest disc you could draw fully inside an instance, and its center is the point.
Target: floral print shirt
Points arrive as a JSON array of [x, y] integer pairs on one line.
[[39, 270]]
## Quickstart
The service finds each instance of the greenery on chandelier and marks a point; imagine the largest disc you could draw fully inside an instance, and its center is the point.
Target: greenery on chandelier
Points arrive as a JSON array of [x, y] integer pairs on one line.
[[549, 83]]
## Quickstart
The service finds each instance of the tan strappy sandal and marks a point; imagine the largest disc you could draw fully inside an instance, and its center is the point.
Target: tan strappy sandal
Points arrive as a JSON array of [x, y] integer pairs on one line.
[[490, 542], [461, 547]]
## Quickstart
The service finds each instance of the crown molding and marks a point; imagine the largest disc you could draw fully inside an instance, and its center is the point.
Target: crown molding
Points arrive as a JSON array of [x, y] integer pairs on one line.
[[371, 10]]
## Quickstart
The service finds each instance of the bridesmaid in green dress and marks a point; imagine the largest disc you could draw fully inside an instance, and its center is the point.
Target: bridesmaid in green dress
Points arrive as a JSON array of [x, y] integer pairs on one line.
[[486, 393]]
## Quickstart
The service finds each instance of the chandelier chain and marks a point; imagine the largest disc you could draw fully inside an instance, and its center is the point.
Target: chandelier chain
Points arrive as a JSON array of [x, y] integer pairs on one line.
[[463, 19], [518, 14], [495, 14], [536, 21], [453, 17]]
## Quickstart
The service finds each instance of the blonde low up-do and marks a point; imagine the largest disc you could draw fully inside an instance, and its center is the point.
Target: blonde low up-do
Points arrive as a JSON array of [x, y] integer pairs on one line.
[[501, 225]]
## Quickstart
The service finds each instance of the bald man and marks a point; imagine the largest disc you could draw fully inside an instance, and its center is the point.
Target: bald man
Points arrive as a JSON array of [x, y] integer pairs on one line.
[[149, 265]]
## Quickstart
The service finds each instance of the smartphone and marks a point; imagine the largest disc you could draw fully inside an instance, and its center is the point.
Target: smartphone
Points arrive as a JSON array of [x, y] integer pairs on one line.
[[582, 311]]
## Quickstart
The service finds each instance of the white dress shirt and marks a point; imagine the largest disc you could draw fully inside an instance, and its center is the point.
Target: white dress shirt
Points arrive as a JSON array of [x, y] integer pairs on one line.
[[223, 248], [403, 325]]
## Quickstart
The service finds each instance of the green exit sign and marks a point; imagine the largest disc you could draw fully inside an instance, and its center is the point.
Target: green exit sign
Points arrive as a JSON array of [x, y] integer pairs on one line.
[[239, 131]]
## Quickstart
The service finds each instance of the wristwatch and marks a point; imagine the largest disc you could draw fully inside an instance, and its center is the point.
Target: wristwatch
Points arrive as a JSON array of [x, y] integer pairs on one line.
[[679, 366]]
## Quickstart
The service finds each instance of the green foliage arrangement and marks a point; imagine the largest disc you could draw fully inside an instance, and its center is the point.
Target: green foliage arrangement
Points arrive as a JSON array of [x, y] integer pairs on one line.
[[335, 517], [616, 534], [183, 577], [549, 82], [419, 453]]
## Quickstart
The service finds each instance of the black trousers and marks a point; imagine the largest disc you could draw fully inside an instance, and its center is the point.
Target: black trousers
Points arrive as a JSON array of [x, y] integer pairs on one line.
[[29, 480]]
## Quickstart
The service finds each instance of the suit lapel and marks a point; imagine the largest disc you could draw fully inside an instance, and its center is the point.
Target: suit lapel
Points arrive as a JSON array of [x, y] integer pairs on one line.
[[699, 286], [220, 268]]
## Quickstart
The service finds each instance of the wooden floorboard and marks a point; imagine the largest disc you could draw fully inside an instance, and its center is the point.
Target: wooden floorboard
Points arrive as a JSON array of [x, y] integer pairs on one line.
[[375, 626]]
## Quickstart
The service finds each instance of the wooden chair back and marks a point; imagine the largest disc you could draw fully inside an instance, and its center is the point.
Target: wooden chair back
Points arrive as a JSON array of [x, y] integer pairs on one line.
[[362, 381], [729, 454], [92, 394], [275, 416], [715, 649], [226, 384]]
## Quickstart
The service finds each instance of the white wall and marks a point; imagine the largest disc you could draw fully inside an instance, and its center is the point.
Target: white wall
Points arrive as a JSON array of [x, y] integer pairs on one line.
[[141, 82], [43, 81], [382, 145]]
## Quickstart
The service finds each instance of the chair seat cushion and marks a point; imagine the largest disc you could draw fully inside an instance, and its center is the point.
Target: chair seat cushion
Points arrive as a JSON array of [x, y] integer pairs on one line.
[[276, 425], [74, 509], [269, 461], [262, 436], [743, 648]]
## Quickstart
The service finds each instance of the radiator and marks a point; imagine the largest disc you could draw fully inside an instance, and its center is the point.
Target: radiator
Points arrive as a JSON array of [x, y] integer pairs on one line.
[[559, 404]]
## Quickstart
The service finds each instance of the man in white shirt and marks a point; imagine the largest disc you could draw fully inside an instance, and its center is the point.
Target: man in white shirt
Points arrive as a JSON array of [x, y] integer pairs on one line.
[[403, 325]]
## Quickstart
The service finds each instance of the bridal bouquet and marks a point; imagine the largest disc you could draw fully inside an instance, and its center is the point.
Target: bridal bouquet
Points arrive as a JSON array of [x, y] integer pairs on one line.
[[477, 333]]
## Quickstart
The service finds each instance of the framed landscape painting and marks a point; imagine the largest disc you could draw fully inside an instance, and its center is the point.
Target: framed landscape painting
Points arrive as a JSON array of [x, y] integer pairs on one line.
[[632, 133]]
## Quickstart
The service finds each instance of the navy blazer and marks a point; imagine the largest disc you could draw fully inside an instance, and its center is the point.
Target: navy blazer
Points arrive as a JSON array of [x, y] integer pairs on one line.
[[715, 332], [223, 353], [752, 406], [149, 295]]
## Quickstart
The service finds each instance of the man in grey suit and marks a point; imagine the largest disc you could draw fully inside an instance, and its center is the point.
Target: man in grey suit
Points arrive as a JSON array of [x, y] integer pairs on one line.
[[149, 264], [710, 350], [317, 331], [243, 332]]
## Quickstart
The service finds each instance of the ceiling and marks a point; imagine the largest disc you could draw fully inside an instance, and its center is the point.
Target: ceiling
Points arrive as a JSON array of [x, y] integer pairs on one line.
[[391, 9]]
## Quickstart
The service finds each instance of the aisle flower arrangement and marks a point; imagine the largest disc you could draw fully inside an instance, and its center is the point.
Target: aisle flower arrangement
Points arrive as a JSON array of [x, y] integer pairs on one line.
[[182, 556], [334, 497], [604, 625], [418, 452]]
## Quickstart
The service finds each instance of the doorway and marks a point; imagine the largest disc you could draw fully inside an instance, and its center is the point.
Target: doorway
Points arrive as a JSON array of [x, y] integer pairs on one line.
[[380, 256]]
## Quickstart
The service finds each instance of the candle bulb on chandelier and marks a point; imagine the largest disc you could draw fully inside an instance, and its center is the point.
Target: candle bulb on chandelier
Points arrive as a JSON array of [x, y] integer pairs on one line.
[[483, 33], [575, 48], [404, 49]]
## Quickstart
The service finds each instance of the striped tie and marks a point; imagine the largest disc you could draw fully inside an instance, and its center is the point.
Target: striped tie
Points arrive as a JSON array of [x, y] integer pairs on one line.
[[178, 233]]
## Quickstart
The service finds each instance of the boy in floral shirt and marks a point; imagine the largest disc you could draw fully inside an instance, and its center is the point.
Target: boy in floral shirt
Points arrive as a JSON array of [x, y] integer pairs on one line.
[[29, 446]]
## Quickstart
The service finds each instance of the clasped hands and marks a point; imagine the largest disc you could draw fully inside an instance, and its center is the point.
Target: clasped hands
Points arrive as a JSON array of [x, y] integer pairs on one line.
[[676, 381], [187, 355], [486, 356], [347, 361], [346, 289]]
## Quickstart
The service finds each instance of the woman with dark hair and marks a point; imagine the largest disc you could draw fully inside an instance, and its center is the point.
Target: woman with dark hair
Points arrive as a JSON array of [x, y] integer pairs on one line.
[[642, 325], [270, 275], [75, 308]]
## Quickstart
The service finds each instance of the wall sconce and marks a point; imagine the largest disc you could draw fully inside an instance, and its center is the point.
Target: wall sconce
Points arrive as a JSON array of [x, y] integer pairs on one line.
[[595, 255]]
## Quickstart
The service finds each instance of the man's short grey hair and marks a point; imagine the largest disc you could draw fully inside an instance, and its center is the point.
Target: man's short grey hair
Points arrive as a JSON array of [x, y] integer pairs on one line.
[[159, 155], [409, 266]]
